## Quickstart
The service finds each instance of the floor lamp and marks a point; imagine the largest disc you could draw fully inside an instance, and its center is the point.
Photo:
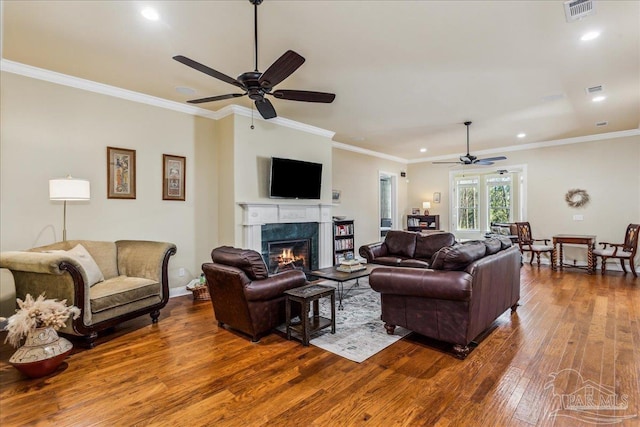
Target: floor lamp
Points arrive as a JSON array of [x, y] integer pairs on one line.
[[68, 189]]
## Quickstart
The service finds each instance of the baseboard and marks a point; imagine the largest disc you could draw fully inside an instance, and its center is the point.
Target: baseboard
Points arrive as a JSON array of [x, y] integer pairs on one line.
[[610, 265], [178, 292]]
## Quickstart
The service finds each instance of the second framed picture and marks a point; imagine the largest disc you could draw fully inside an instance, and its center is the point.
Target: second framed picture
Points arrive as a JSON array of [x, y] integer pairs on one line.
[[173, 177]]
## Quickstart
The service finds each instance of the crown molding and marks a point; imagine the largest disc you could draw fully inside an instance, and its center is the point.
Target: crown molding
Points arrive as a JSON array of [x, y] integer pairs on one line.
[[542, 144], [353, 148], [247, 112], [91, 86]]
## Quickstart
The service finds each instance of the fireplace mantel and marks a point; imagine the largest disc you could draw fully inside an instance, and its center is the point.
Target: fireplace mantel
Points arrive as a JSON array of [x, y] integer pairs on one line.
[[280, 213], [257, 214]]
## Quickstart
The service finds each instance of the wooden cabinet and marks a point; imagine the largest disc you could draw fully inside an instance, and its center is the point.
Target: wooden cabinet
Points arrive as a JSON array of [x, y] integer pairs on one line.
[[342, 240], [423, 222]]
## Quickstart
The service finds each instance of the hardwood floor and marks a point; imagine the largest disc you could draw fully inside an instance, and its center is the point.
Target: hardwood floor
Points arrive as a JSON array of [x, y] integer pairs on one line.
[[185, 371]]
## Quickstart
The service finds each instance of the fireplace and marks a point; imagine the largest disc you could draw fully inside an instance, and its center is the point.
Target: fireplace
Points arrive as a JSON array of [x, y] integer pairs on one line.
[[290, 245], [289, 254], [275, 222]]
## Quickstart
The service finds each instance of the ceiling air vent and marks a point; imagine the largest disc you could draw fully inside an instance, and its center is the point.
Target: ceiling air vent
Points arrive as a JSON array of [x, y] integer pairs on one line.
[[575, 10], [594, 89], [602, 124]]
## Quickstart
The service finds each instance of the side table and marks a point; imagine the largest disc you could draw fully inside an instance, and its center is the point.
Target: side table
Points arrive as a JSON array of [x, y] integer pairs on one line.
[[305, 295]]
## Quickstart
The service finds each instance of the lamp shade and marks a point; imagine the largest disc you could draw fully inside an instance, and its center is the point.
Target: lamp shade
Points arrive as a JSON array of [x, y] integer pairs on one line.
[[69, 189], [426, 205]]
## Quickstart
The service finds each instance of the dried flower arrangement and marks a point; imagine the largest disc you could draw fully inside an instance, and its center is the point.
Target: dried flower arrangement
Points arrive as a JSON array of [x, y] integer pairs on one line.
[[38, 313]]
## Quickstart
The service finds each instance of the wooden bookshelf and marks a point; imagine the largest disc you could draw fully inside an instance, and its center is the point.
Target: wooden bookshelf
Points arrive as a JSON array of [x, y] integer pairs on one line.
[[423, 222], [343, 240]]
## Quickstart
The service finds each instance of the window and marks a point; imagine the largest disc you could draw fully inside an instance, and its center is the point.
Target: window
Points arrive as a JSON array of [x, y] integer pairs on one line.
[[467, 209], [482, 198], [499, 194]]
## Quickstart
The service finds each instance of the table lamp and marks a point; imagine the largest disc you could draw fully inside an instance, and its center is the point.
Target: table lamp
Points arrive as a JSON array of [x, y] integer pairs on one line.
[[68, 189], [426, 206]]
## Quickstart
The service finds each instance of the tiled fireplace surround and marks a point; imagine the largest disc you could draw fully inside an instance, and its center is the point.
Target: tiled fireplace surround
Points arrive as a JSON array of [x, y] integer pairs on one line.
[[255, 215]]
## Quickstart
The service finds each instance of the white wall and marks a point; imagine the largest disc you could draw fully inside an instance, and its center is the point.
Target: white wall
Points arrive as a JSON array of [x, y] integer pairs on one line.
[[609, 170], [50, 130], [356, 175], [253, 149]]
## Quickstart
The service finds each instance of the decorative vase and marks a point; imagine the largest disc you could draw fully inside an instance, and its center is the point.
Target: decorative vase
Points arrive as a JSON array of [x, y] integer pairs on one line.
[[42, 353]]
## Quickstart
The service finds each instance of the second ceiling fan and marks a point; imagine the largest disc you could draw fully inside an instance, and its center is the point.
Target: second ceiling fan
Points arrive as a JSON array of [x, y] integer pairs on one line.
[[255, 84], [468, 159]]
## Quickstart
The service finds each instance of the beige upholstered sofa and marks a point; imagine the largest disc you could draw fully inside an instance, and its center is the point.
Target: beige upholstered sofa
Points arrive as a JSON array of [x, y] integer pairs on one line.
[[110, 282]]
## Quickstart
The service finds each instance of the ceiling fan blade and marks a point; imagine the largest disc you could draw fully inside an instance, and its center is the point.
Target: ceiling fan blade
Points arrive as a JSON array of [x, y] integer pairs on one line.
[[209, 71], [216, 98], [447, 163], [484, 162], [281, 69], [492, 159], [265, 108], [305, 95]]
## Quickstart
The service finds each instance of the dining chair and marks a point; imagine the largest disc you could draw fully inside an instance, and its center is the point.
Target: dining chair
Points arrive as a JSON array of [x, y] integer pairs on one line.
[[528, 244], [622, 251]]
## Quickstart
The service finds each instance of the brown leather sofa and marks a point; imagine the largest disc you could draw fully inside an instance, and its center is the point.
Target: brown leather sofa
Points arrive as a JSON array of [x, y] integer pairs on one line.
[[468, 286], [243, 295], [406, 248]]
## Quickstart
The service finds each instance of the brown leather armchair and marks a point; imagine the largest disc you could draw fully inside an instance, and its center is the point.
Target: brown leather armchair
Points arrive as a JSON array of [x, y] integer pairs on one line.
[[243, 295]]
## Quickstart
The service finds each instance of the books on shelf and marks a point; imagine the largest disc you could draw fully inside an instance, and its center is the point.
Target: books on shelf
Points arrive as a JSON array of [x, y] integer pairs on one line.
[[343, 229], [343, 244]]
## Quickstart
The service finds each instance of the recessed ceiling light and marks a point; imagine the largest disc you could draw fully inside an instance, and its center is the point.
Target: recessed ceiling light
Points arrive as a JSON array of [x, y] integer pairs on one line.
[[598, 98], [185, 90], [423, 150], [521, 135], [150, 13], [590, 36]]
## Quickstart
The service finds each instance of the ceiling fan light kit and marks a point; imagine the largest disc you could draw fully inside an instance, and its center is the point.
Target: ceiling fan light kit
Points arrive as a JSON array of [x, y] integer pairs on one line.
[[468, 159], [257, 85]]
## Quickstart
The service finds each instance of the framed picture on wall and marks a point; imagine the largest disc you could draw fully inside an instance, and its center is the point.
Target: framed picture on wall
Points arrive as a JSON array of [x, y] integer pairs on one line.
[[121, 173], [173, 177], [436, 197], [415, 211], [335, 196]]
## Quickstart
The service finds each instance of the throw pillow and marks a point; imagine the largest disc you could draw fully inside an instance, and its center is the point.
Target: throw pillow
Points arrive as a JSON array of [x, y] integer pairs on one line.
[[84, 258]]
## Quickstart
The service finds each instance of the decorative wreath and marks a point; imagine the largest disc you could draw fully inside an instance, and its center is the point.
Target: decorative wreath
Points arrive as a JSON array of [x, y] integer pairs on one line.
[[576, 198]]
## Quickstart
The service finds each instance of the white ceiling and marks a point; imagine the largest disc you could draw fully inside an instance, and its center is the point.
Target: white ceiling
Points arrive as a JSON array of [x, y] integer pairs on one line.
[[406, 74]]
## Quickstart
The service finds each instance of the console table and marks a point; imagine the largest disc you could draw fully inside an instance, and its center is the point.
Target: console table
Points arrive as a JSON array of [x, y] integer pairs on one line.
[[573, 239]]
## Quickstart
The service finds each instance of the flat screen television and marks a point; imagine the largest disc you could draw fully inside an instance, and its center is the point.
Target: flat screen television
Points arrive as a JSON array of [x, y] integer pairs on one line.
[[295, 179]]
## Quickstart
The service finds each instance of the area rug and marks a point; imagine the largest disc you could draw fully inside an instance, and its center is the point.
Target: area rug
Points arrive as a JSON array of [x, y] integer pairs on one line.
[[359, 331]]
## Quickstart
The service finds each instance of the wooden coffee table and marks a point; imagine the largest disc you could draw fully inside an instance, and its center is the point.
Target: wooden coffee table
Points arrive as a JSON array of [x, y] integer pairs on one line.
[[331, 273]]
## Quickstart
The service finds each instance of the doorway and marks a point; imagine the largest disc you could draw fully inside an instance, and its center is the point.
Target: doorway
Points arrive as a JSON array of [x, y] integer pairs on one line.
[[388, 206]]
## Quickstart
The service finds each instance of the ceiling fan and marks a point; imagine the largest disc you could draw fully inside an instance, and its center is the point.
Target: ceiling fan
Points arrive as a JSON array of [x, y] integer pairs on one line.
[[255, 84], [468, 159]]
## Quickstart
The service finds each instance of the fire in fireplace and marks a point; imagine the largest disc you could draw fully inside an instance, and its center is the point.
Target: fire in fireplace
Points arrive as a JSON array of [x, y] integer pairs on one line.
[[288, 254]]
